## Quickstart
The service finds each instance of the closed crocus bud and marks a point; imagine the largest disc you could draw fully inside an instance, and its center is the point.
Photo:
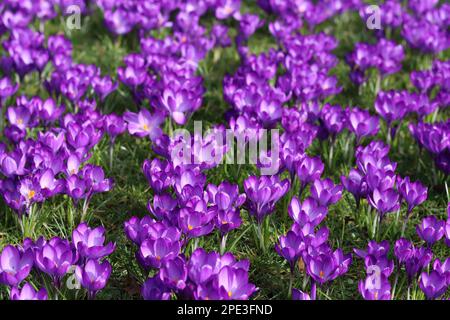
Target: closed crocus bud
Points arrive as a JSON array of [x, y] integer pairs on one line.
[[384, 201], [163, 206], [27, 293], [414, 193], [90, 242], [159, 174], [7, 89], [430, 229], [174, 273], [308, 169], [355, 184], [403, 250], [114, 126], [420, 258], [55, 258], [263, 193], [433, 284], [15, 265], [93, 276]]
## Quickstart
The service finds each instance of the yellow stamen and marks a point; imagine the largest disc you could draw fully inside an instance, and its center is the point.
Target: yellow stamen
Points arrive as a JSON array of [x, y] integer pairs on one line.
[[158, 258], [230, 294], [321, 274], [145, 127], [190, 227], [19, 121], [376, 295], [31, 194]]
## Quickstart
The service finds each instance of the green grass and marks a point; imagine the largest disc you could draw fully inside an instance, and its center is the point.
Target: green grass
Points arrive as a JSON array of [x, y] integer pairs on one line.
[[57, 217]]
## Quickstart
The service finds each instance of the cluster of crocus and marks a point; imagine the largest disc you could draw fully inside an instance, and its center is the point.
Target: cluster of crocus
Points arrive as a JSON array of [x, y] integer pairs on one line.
[[291, 14], [433, 283], [378, 268], [385, 56], [308, 246], [54, 259], [423, 24], [202, 276], [374, 178], [435, 78], [414, 259], [52, 163]]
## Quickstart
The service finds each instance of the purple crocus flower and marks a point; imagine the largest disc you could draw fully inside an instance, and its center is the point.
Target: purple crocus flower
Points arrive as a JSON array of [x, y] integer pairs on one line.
[[7, 89], [137, 229], [361, 123], [114, 126], [27, 293], [355, 184], [325, 192], [290, 247], [227, 8], [433, 284], [384, 201], [179, 104], [414, 193], [308, 169], [158, 173], [196, 219], [55, 258], [156, 252], [263, 193], [93, 276], [90, 242], [228, 200], [233, 284], [430, 229], [443, 268], [327, 266], [15, 265], [144, 124], [49, 111], [307, 212], [103, 86]]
